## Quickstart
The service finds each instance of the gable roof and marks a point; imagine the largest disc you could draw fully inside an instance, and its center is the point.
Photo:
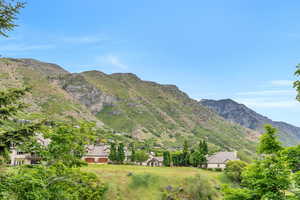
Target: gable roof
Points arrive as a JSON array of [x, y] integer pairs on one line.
[[155, 159], [97, 150], [221, 157]]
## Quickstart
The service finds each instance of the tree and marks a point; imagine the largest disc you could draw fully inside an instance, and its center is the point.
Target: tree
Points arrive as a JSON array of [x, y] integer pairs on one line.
[[67, 143], [291, 155], [267, 178], [8, 13], [269, 142], [234, 169], [167, 158], [55, 182], [196, 158], [113, 152], [141, 156], [120, 153], [297, 83], [185, 154], [14, 131], [132, 149], [203, 151]]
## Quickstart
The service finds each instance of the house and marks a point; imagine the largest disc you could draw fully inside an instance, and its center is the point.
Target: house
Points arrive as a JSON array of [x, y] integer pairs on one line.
[[18, 157], [97, 154], [155, 162], [219, 159]]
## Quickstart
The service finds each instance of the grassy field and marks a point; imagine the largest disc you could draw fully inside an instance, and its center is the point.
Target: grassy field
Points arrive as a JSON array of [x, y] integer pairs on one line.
[[149, 183]]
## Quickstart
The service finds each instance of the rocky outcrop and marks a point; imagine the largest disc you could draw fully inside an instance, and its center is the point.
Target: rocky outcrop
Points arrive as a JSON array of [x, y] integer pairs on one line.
[[248, 118], [84, 92]]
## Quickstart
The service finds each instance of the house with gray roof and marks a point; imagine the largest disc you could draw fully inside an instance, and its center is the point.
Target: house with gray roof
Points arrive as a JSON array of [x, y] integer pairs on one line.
[[97, 154], [219, 159]]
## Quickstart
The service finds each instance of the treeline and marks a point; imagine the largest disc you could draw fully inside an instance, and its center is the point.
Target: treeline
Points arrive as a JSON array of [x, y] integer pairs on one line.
[[195, 157], [118, 155]]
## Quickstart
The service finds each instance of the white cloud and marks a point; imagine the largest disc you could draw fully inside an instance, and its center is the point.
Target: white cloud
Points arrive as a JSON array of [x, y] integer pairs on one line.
[[112, 60], [24, 47], [281, 83], [268, 93]]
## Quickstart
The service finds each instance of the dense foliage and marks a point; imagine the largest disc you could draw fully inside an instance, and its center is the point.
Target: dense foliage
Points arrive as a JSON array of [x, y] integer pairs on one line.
[[57, 147], [50, 183], [271, 177], [234, 170], [14, 131], [117, 153], [191, 157]]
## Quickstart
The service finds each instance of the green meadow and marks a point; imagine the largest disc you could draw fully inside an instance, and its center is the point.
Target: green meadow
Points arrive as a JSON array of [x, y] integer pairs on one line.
[[151, 183]]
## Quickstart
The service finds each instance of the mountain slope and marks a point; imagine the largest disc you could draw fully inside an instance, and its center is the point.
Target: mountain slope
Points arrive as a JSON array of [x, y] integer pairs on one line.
[[124, 102], [239, 113], [47, 97]]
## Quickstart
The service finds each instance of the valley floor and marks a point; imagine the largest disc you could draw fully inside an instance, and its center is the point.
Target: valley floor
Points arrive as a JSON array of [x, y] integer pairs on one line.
[[148, 183]]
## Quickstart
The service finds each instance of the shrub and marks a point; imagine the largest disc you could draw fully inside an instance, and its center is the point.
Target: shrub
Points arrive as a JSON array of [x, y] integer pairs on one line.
[[142, 180], [43, 183], [200, 187], [234, 170]]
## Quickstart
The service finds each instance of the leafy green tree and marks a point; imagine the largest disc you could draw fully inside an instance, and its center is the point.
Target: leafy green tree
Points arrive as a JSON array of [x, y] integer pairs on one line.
[[234, 170], [13, 130], [203, 151], [67, 143], [141, 156], [269, 143], [196, 158], [167, 158], [297, 83], [8, 13], [176, 158], [50, 183], [113, 152], [185, 154], [120, 153], [268, 178], [291, 155]]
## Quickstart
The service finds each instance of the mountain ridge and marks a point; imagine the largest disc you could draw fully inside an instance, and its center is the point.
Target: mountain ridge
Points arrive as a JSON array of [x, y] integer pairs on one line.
[[241, 114], [124, 102]]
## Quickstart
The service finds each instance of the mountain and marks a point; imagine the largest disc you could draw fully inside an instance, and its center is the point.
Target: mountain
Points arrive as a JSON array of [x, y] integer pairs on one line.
[[239, 113], [122, 101]]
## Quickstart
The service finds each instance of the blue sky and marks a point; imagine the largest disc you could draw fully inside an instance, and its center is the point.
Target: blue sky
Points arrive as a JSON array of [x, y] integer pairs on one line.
[[246, 50]]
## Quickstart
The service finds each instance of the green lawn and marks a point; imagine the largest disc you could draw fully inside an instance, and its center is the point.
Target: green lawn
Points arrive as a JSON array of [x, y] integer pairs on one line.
[[121, 184]]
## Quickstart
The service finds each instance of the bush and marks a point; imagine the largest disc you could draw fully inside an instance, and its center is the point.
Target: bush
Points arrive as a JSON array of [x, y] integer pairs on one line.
[[143, 180], [200, 187], [234, 170], [43, 183]]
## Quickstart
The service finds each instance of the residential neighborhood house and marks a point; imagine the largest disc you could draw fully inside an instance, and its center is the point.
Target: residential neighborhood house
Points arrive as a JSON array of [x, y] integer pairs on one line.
[[97, 154], [219, 159], [153, 161]]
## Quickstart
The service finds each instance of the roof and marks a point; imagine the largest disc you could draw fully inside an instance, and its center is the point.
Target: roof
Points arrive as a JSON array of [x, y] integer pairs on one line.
[[158, 159], [221, 157], [97, 150]]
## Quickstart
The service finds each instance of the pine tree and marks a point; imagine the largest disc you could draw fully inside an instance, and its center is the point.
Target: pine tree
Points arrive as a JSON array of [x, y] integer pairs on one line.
[[121, 153], [8, 12], [113, 152], [185, 154], [269, 142], [167, 158], [14, 131], [133, 156]]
